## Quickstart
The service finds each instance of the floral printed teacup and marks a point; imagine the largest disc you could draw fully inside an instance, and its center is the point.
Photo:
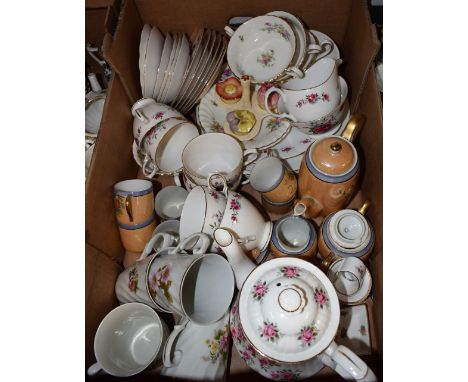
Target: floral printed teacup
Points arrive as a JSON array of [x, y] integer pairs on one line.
[[312, 97]]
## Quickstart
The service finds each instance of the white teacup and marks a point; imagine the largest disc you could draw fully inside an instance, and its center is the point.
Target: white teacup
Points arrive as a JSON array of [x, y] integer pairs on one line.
[[215, 153], [128, 340], [169, 202], [202, 212], [349, 276], [313, 96]]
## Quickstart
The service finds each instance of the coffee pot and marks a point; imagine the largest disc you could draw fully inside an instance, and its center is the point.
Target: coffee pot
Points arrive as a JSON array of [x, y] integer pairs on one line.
[[329, 172]]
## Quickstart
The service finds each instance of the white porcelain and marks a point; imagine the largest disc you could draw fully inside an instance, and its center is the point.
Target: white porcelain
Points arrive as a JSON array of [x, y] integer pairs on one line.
[[266, 174], [353, 330], [348, 276], [240, 263], [165, 145], [211, 116], [321, 38], [312, 97], [202, 38], [210, 75], [168, 226], [129, 339], [203, 352], [131, 284], [181, 65], [169, 202], [328, 123], [365, 287], [144, 38], [159, 241], [244, 220], [170, 67], [154, 136], [147, 113], [288, 312], [215, 153], [263, 48], [152, 60], [165, 56], [349, 229], [208, 71], [202, 212], [93, 112]]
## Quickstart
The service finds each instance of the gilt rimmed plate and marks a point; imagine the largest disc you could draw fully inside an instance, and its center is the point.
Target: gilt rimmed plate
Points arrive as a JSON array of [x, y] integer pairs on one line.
[[152, 60], [165, 56]]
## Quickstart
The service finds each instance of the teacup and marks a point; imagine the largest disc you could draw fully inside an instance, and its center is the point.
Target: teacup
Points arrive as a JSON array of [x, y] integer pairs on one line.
[[244, 220], [293, 236], [202, 212], [169, 202], [164, 146], [348, 276], [147, 113], [215, 153], [132, 283], [134, 201], [263, 48], [273, 181], [135, 237], [128, 340], [313, 96]]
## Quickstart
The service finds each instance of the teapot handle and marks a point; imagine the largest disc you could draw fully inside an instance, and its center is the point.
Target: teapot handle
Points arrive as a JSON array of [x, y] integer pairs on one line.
[[353, 126], [347, 364], [364, 207]]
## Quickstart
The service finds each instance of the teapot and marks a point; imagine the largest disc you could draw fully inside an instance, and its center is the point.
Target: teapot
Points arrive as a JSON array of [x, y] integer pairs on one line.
[[329, 172], [285, 317]]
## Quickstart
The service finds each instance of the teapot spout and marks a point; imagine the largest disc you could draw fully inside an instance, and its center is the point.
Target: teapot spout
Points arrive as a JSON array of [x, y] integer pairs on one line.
[[239, 261], [308, 207]]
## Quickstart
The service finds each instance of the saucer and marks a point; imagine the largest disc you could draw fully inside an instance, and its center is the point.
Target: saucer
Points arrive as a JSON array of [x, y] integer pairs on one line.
[[360, 295], [353, 329]]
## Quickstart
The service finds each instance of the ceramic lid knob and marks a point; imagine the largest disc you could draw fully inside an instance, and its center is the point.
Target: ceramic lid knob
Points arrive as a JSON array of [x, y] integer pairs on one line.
[[333, 156], [291, 300]]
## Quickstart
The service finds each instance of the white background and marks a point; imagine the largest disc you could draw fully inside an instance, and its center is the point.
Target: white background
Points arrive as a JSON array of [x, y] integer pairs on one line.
[[42, 191]]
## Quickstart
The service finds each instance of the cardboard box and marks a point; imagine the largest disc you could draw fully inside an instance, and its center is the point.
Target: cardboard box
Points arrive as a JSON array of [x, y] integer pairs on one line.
[[346, 21]]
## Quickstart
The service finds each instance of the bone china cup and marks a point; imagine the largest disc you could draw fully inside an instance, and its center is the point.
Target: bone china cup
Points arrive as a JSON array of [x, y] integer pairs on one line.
[[329, 172], [202, 212], [169, 202], [262, 48], [215, 153], [134, 201], [273, 181], [313, 96], [128, 340]]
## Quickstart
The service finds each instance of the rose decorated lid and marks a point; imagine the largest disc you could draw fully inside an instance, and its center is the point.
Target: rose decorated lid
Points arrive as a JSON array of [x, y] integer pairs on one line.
[[289, 310], [332, 156]]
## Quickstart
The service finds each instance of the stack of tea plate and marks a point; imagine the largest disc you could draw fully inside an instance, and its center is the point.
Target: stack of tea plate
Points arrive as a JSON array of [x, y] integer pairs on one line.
[[170, 75]]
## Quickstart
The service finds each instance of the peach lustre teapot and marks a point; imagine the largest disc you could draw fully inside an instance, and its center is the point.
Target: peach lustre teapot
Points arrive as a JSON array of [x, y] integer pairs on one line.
[[329, 172]]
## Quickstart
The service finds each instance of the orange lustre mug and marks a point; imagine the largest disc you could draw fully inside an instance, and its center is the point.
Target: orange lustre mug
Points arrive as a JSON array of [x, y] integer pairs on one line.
[[134, 201]]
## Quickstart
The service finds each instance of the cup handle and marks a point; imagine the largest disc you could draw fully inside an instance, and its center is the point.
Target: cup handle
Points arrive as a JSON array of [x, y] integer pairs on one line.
[[177, 180], [223, 179], [145, 163], [295, 72], [267, 107], [326, 47], [129, 208], [203, 247], [139, 114], [347, 363], [167, 361], [94, 369], [149, 247], [248, 152], [229, 31]]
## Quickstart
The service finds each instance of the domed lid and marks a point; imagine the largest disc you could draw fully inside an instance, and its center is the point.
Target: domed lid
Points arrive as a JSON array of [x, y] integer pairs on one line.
[[333, 155], [289, 310]]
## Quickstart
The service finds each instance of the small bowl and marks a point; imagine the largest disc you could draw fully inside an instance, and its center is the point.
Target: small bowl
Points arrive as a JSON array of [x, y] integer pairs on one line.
[[169, 202]]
